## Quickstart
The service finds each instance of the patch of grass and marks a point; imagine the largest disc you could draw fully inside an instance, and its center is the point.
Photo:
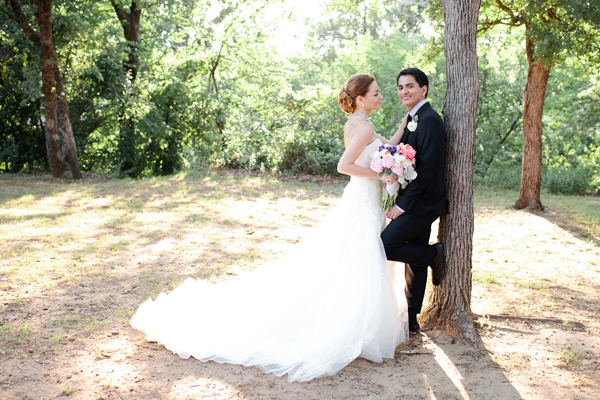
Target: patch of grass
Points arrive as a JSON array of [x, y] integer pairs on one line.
[[68, 390], [580, 380], [55, 340], [580, 213], [490, 276], [11, 336], [92, 325], [570, 358], [60, 320], [499, 362]]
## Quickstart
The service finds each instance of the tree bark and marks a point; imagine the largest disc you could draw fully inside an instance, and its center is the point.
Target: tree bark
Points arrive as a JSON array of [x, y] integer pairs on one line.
[[58, 130], [58, 166], [131, 23], [65, 129], [533, 108], [126, 148], [449, 305]]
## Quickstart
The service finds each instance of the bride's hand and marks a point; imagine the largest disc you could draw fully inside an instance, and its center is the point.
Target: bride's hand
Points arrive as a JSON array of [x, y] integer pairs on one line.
[[388, 179], [404, 122]]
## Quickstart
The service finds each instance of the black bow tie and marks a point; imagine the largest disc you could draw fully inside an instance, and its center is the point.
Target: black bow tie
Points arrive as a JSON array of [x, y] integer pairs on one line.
[[409, 118]]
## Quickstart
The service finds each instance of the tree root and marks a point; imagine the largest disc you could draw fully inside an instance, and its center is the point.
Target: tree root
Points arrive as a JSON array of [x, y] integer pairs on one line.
[[459, 323]]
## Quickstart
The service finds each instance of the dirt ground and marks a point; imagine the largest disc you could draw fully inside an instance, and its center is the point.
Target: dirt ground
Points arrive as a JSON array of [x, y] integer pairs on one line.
[[76, 259]]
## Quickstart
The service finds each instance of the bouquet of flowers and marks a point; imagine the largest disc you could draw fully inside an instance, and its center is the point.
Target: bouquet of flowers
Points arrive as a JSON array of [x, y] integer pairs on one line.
[[397, 162]]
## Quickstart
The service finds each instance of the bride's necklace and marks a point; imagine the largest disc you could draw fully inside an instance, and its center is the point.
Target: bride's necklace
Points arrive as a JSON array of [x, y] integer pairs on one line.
[[363, 116]]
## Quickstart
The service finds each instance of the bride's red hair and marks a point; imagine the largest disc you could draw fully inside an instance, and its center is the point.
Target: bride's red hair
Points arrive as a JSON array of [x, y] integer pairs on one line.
[[356, 85]]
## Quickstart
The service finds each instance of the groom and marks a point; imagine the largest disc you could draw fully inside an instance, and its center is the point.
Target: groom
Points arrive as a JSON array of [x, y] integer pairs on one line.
[[406, 238]]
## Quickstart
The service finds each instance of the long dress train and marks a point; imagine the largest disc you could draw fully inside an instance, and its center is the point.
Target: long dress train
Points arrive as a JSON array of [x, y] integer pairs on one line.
[[309, 313]]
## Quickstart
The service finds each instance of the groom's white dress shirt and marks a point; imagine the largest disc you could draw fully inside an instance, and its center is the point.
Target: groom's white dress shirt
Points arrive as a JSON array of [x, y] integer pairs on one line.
[[412, 114], [416, 108]]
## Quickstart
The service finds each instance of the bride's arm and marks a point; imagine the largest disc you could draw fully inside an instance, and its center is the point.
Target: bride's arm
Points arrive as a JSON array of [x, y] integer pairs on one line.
[[398, 135], [362, 136]]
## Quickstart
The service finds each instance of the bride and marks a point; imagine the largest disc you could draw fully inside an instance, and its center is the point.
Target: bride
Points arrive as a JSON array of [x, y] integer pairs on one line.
[[310, 313]]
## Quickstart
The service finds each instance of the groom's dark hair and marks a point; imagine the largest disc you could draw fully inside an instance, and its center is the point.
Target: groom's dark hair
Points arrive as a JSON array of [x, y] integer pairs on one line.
[[419, 75]]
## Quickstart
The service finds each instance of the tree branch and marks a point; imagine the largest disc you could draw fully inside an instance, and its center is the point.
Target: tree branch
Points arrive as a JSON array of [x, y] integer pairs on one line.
[[508, 11], [513, 126], [121, 15], [22, 21]]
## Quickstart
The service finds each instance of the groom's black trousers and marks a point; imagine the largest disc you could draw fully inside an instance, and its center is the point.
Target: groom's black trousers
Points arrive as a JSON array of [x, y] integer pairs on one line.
[[406, 239]]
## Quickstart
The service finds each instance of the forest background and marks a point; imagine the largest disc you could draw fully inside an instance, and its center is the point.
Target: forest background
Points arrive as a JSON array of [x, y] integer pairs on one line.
[[254, 84]]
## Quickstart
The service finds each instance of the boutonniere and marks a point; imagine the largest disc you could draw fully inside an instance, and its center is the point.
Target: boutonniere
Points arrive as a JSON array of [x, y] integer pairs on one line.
[[412, 125]]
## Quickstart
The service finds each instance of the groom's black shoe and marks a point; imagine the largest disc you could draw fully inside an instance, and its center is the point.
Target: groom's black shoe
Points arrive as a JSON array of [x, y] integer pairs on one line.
[[414, 327], [438, 265]]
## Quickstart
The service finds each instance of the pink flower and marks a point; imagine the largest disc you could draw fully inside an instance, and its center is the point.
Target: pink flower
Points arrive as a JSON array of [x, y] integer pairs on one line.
[[398, 170], [388, 161], [407, 150], [376, 165]]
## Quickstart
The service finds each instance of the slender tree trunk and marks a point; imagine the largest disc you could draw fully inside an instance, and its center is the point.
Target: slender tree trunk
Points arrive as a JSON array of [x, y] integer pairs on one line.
[[131, 23], [450, 303], [533, 108], [58, 166], [59, 132], [126, 148], [65, 129]]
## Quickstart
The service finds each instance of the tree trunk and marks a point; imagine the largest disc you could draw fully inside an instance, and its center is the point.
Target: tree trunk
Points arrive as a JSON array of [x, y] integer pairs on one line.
[[58, 166], [449, 305], [65, 129], [131, 22], [126, 148], [59, 132], [56, 111], [533, 108]]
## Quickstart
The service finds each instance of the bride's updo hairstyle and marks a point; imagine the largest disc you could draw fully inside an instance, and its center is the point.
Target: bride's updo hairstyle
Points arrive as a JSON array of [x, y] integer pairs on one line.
[[356, 85]]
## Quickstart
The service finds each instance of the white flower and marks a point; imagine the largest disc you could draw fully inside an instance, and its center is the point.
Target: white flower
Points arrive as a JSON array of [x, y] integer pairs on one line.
[[407, 163], [412, 126], [401, 157], [376, 155], [410, 174], [393, 188]]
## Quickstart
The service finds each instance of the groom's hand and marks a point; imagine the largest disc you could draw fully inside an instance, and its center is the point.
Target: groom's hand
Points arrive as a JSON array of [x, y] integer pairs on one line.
[[394, 213]]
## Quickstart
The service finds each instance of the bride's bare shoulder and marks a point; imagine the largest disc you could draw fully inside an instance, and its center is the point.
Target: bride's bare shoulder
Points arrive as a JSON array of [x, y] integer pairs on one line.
[[358, 125]]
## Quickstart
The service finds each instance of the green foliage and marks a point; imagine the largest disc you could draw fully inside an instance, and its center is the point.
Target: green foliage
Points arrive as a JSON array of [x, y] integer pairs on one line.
[[22, 140], [212, 90], [557, 28], [568, 180]]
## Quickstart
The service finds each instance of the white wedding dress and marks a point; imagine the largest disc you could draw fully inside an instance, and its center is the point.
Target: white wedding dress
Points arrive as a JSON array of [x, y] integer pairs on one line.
[[308, 314]]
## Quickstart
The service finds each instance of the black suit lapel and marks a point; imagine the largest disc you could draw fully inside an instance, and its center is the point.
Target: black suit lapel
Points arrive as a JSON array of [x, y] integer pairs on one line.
[[407, 133]]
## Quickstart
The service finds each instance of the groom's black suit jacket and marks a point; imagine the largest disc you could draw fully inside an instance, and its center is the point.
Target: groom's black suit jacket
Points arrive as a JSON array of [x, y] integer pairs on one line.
[[426, 195]]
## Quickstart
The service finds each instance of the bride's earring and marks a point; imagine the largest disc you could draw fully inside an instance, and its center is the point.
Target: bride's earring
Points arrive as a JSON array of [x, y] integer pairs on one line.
[[363, 104]]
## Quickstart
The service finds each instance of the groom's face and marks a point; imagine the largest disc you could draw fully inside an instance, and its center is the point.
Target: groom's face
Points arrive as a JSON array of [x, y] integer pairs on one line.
[[409, 92]]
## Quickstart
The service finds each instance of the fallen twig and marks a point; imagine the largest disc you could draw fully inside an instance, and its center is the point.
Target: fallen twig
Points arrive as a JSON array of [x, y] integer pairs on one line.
[[417, 351], [529, 318], [24, 298]]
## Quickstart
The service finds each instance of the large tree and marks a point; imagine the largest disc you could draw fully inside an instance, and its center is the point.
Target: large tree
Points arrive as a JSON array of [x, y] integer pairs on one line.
[[553, 30], [60, 142], [449, 305]]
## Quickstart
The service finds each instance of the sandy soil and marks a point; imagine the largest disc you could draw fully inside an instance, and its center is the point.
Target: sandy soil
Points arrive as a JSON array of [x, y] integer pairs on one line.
[[536, 303]]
